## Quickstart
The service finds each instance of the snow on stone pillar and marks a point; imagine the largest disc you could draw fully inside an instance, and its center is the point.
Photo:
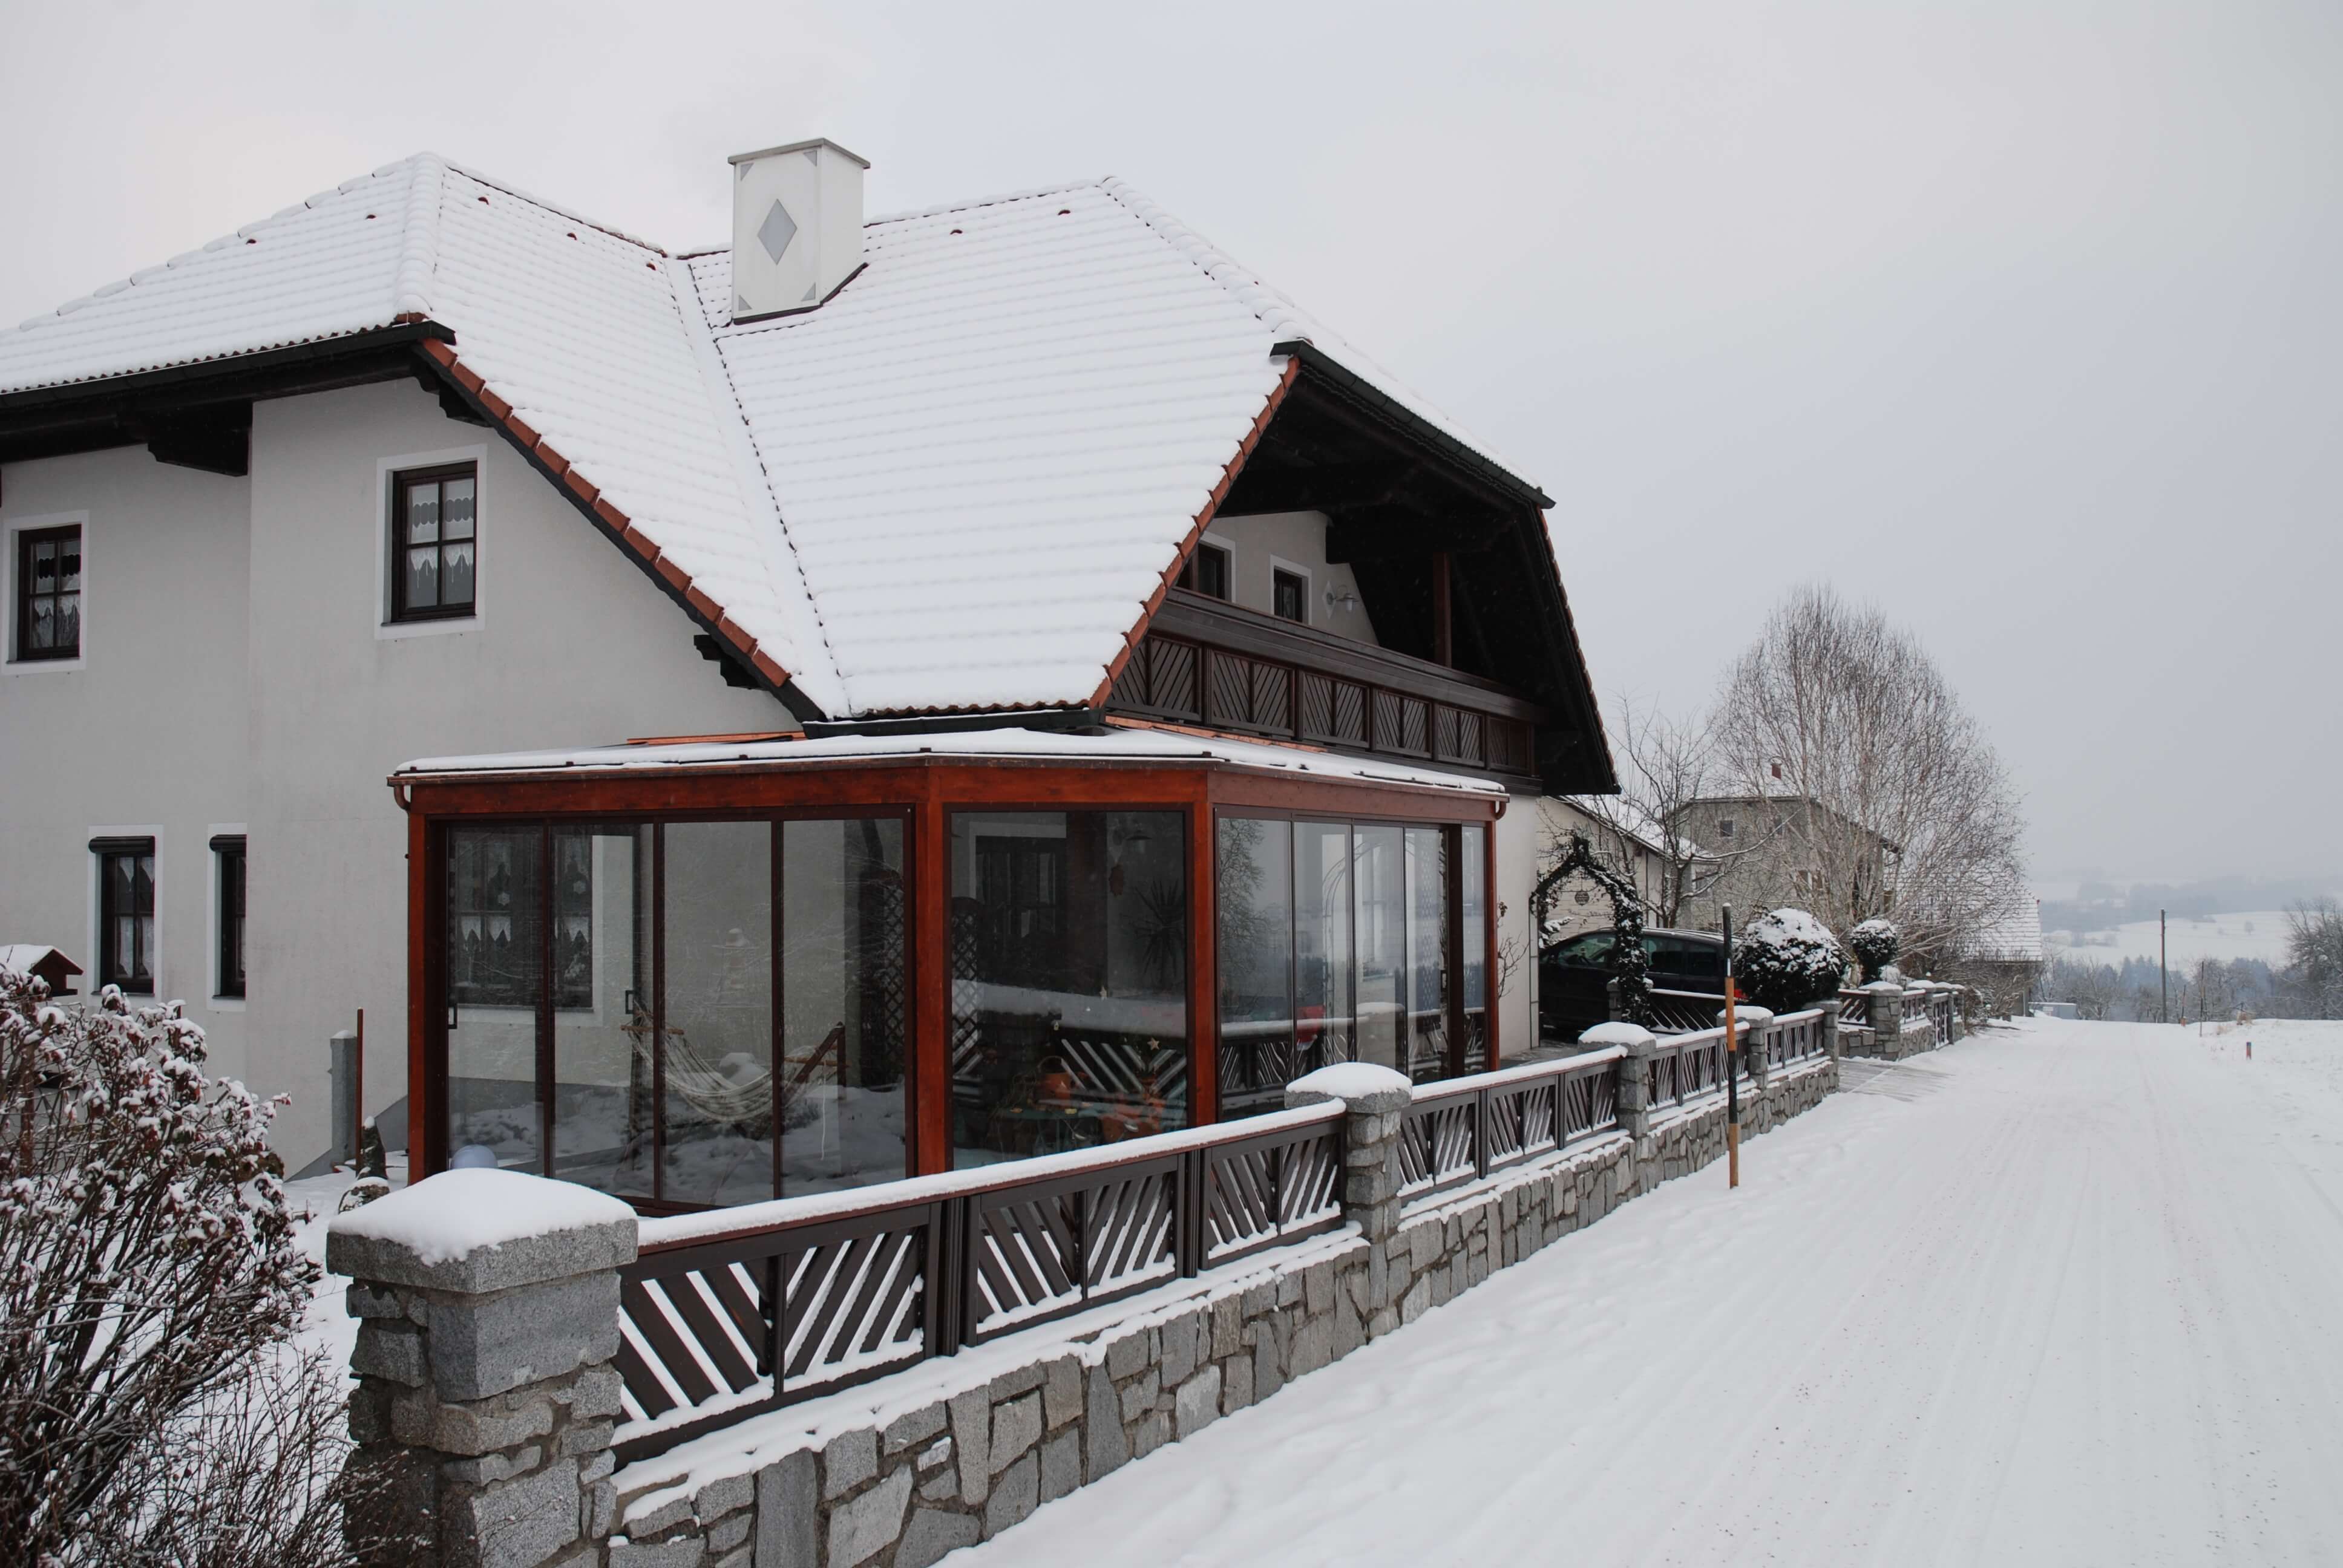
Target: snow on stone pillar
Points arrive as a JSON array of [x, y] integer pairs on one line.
[[1634, 1071], [1375, 1098], [488, 1303]]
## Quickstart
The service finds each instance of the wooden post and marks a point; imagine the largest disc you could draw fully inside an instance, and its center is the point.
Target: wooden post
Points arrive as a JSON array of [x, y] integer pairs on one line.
[[1732, 1067], [1444, 632]]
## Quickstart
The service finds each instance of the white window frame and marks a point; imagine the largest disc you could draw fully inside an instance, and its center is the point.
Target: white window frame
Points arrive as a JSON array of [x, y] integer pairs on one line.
[[96, 885], [13, 527], [379, 498], [217, 1003], [1309, 585]]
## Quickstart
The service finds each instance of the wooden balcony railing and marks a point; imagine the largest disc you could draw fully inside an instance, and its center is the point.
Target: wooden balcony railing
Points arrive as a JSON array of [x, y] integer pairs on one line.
[[1207, 663]]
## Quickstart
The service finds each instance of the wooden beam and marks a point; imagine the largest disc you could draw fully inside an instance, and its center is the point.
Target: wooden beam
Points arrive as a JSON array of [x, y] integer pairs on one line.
[[1443, 617]]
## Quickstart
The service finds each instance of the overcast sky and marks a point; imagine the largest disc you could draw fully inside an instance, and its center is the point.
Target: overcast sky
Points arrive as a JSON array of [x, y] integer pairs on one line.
[[2021, 320]]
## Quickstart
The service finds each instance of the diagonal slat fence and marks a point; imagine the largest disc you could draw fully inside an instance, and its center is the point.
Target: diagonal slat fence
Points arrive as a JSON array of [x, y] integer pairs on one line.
[[727, 1313]]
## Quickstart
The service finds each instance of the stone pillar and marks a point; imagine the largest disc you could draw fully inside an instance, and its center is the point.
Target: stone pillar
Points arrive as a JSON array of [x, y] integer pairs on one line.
[[342, 1068], [1374, 1099], [1886, 1016], [1753, 1022], [488, 1303], [1635, 1072], [1830, 1027]]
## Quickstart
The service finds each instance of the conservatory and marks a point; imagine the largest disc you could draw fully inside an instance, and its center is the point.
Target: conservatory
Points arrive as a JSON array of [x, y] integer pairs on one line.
[[712, 972]]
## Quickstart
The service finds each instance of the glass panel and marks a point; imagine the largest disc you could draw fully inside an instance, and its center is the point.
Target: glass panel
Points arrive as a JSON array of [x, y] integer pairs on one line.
[[69, 554], [602, 1008], [1381, 880], [456, 585], [496, 969], [1427, 953], [422, 513], [456, 508], [42, 632], [1254, 950], [423, 578], [68, 622], [1070, 962], [844, 1004], [718, 982], [44, 567], [1321, 943]]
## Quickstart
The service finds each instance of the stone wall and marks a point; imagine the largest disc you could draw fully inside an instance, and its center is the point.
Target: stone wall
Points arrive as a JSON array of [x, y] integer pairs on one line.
[[900, 1471]]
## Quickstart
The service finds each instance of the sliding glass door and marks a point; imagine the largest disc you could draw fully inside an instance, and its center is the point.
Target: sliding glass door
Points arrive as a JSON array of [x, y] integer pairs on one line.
[[685, 1013]]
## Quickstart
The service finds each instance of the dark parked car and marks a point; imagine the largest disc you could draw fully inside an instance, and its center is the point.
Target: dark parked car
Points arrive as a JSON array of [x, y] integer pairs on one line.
[[1571, 975]]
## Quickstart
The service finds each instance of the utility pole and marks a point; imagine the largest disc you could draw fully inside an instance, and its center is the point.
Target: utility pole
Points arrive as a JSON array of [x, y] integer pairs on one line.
[[2163, 970], [1731, 1065]]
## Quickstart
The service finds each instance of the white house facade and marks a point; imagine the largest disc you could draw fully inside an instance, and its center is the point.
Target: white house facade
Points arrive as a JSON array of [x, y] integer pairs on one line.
[[424, 467]]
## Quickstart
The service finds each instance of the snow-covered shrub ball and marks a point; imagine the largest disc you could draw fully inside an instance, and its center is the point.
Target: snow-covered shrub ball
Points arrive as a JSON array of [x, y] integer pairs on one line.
[[1786, 960], [1875, 944]]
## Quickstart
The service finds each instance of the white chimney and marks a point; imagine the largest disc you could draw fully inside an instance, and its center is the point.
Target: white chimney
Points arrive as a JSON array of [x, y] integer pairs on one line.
[[797, 226]]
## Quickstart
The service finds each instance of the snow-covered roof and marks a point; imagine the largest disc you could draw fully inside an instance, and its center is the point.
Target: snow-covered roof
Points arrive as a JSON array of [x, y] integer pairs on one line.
[[23, 957], [1119, 743], [958, 485], [1621, 815], [2012, 933]]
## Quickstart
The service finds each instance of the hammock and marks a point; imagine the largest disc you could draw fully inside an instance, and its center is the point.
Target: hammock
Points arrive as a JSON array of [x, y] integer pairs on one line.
[[720, 1093]]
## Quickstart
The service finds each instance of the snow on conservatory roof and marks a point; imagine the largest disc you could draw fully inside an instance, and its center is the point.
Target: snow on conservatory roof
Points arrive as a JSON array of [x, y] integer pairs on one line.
[[957, 484], [1121, 743]]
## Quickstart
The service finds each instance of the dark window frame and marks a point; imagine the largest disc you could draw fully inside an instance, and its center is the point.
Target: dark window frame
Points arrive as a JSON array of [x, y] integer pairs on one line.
[[1278, 578], [111, 969], [21, 651], [396, 536], [230, 869], [1226, 559]]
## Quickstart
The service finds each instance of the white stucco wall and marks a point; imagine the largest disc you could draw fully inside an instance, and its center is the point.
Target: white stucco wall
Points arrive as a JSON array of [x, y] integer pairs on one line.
[[1520, 841], [1296, 541], [237, 673], [145, 731]]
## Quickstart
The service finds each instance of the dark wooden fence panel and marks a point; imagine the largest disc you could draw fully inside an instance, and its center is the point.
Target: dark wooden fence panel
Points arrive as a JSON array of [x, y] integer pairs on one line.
[[716, 1325]]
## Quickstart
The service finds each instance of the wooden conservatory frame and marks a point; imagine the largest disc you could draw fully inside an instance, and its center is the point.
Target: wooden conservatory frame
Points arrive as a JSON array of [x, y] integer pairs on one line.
[[922, 790]]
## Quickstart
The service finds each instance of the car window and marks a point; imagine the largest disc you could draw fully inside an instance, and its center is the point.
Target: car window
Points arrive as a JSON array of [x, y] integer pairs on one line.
[[1590, 951]]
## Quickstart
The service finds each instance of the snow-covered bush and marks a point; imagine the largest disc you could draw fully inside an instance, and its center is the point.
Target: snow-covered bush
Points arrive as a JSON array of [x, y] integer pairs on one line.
[[1786, 960], [1875, 944], [151, 1407]]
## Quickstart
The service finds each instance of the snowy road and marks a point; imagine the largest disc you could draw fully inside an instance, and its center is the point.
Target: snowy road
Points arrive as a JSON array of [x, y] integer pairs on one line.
[[2071, 1294]]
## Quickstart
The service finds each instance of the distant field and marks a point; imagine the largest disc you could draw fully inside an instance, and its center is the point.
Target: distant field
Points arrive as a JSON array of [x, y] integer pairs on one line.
[[2258, 934]]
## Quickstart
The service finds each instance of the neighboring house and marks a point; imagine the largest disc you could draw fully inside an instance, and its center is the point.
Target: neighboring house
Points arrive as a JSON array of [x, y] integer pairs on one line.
[[1091, 691], [1627, 840], [1762, 844], [2003, 960]]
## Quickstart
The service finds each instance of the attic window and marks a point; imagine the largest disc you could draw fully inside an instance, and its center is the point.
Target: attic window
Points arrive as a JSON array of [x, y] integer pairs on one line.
[[1725, 827], [1208, 570]]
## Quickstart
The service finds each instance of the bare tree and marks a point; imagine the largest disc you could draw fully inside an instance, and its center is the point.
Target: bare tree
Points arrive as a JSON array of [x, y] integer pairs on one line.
[[1670, 764], [2314, 953], [1889, 795]]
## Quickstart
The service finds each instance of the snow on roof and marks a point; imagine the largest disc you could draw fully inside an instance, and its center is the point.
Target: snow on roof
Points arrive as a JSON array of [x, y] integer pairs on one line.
[[1118, 744], [2012, 933], [955, 485], [23, 956], [1621, 815]]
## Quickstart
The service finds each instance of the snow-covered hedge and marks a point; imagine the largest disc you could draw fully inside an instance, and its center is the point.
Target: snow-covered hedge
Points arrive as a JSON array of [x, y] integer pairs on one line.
[[151, 1407], [1874, 943], [1786, 960]]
